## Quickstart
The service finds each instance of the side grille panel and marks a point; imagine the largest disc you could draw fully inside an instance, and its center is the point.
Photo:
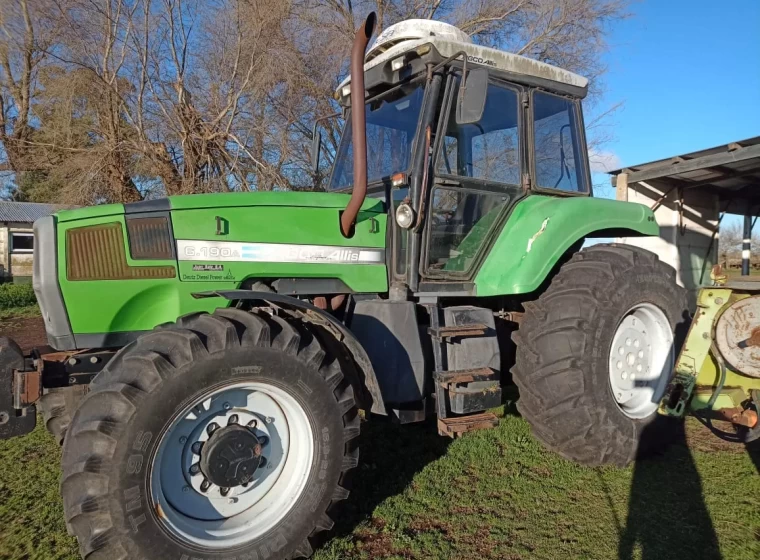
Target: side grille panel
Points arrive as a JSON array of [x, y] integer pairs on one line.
[[149, 238], [97, 253]]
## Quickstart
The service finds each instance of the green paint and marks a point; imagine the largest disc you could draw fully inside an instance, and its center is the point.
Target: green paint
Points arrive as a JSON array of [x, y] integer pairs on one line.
[[283, 224], [540, 230], [89, 212], [135, 305], [269, 198]]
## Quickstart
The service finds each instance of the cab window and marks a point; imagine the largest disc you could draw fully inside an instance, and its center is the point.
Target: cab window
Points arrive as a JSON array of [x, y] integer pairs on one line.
[[558, 152]]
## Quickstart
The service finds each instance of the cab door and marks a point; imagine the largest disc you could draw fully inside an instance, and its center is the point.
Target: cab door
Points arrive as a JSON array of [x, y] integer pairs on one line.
[[478, 175]]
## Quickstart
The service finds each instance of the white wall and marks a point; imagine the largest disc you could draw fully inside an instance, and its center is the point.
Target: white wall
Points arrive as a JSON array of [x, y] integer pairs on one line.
[[686, 232], [14, 264]]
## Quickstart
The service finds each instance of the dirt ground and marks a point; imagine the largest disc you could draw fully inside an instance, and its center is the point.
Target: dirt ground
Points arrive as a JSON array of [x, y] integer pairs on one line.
[[28, 332]]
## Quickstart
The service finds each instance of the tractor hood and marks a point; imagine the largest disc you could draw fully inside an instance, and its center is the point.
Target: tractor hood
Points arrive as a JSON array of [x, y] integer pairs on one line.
[[222, 200]]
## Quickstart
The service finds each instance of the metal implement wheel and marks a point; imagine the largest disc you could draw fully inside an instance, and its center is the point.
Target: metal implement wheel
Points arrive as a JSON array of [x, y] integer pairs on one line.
[[641, 361], [232, 464], [222, 436], [595, 353]]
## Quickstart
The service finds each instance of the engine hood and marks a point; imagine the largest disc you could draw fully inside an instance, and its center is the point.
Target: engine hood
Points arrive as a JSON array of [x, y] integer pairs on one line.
[[222, 200]]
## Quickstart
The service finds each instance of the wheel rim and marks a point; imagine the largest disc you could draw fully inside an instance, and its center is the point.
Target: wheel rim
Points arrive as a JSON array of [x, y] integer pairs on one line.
[[641, 360], [202, 513]]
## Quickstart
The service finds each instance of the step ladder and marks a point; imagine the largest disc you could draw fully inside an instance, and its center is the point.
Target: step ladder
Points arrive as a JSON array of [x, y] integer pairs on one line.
[[461, 396]]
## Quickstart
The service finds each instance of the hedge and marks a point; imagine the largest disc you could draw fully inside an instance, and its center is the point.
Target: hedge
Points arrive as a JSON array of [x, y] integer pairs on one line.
[[16, 295]]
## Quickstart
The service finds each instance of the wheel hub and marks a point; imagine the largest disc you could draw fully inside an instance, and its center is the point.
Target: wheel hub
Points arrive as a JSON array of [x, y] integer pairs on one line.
[[231, 456]]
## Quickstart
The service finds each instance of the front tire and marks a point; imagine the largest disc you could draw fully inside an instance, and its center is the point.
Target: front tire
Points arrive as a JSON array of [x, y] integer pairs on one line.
[[142, 477], [595, 353]]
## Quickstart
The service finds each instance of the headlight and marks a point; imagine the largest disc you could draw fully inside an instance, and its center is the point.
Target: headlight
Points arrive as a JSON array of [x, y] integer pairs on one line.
[[404, 216]]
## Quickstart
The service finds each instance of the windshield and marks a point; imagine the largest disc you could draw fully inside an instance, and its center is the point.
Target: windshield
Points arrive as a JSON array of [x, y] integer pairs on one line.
[[391, 125]]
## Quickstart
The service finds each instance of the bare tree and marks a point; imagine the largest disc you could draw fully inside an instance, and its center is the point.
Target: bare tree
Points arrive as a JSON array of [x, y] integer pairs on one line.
[[141, 98]]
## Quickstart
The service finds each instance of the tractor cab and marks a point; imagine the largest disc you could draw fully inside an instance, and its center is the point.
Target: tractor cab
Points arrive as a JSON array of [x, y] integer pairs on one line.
[[456, 135]]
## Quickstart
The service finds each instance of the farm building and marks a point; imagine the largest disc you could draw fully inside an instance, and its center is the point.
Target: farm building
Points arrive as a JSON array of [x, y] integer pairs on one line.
[[689, 194], [17, 238]]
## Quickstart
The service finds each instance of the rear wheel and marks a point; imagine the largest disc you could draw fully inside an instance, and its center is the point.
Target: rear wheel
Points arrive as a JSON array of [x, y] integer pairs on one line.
[[596, 352], [225, 435]]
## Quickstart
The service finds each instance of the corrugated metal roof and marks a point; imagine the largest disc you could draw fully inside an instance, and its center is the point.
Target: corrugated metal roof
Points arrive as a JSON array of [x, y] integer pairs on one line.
[[27, 212]]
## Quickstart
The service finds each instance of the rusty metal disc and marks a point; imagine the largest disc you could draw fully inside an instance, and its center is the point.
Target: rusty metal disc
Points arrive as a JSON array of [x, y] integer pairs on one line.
[[737, 336]]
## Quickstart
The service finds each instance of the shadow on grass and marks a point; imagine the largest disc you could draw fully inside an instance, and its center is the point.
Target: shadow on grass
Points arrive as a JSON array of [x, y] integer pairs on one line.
[[386, 467], [667, 487]]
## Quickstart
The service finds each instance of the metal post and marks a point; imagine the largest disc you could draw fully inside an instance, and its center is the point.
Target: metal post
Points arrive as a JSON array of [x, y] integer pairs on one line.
[[746, 244]]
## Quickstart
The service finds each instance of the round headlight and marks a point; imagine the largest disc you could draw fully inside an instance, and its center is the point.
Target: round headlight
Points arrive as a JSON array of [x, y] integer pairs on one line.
[[404, 216]]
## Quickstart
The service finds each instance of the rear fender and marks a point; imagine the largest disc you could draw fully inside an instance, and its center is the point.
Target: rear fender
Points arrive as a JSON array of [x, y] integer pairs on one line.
[[541, 229]]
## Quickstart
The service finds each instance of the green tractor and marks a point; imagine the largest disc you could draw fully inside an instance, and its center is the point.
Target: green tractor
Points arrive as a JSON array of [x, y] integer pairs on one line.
[[210, 354]]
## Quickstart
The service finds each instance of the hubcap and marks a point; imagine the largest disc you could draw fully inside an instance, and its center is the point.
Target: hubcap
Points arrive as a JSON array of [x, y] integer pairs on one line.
[[230, 457], [641, 360], [232, 465]]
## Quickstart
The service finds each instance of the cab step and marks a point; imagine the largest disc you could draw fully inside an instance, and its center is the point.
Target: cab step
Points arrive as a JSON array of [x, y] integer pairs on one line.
[[455, 427]]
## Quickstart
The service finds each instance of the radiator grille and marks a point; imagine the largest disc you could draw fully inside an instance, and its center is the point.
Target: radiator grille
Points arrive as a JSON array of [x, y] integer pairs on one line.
[[149, 238], [97, 253]]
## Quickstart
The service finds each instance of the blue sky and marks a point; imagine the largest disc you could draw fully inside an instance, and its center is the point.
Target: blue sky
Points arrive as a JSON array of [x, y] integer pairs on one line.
[[688, 74]]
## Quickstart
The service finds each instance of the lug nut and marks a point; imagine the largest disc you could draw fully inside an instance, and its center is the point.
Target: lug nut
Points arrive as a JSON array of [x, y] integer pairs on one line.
[[205, 485], [196, 448], [263, 440], [226, 406], [233, 419], [224, 491], [212, 428], [253, 423], [195, 469], [263, 462]]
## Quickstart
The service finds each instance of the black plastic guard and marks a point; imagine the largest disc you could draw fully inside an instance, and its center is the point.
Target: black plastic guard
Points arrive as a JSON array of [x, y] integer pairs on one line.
[[13, 422]]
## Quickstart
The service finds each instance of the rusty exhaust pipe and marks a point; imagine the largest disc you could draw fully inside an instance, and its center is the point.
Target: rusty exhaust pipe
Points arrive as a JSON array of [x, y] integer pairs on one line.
[[358, 124]]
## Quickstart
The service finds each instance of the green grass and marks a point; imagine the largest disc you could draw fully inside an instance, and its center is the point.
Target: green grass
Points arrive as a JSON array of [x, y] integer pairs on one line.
[[16, 295], [491, 495], [19, 312]]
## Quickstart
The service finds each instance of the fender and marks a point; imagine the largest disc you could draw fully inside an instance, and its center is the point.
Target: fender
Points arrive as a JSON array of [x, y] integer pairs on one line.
[[363, 380], [541, 229]]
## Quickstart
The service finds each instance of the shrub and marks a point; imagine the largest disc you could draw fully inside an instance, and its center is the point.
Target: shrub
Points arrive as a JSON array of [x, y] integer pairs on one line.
[[16, 295]]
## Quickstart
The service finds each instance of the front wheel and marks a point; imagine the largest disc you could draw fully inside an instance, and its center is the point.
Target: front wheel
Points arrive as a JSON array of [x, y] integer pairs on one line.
[[596, 352], [225, 435]]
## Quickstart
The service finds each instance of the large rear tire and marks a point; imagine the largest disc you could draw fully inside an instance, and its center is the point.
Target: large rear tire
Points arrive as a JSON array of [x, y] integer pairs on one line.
[[142, 477], [595, 353]]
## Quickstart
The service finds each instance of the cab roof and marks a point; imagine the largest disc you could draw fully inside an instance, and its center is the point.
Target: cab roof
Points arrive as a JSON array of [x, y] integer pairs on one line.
[[417, 36]]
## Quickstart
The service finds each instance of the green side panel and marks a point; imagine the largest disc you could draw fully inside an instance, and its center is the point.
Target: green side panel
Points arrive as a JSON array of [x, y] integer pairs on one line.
[[102, 306], [140, 304], [262, 224], [540, 230], [285, 225]]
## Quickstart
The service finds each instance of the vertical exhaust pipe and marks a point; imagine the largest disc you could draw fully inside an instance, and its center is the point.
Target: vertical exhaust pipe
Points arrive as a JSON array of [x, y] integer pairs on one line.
[[358, 124]]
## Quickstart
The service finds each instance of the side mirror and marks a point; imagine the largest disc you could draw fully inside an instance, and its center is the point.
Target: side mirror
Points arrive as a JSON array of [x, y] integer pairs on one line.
[[316, 147], [471, 101]]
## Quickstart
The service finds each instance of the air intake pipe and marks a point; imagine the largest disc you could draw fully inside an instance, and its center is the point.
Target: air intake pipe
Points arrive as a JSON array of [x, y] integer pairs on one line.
[[358, 124]]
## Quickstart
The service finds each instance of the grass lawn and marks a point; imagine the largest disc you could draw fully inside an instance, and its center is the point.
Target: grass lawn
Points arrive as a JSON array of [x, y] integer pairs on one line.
[[494, 495]]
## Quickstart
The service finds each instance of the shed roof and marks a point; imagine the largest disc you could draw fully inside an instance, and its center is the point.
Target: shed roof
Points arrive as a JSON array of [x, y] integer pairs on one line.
[[732, 171], [26, 212]]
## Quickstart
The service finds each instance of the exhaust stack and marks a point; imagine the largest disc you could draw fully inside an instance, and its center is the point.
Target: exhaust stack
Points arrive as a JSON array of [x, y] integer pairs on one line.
[[358, 124]]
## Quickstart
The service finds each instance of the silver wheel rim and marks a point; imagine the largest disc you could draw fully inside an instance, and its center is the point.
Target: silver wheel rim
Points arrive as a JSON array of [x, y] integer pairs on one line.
[[641, 360], [208, 518]]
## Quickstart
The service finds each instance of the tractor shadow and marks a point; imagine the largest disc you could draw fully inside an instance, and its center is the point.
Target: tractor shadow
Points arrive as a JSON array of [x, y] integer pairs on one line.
[[667, 483], [390, 456]]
